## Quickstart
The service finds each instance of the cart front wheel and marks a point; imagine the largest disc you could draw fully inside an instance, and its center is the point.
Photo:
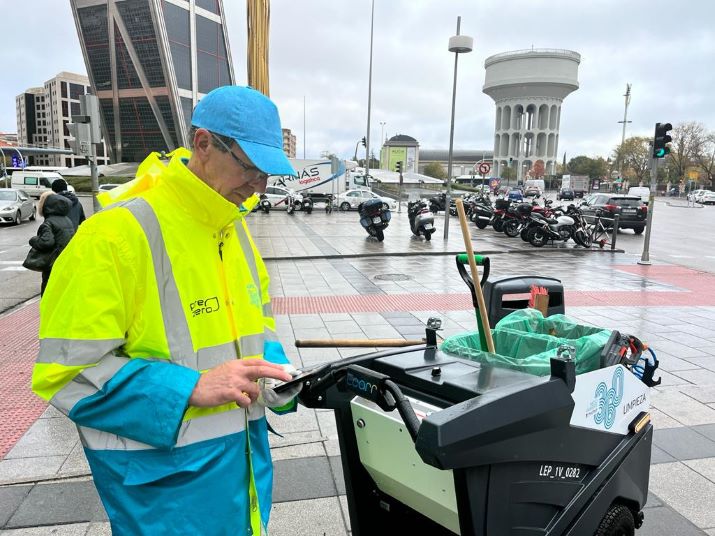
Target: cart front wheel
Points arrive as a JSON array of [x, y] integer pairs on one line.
[[618, 521]]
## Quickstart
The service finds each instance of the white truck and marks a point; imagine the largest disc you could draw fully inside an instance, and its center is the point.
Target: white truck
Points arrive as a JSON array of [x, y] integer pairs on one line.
[[317, 179], [577, 183]]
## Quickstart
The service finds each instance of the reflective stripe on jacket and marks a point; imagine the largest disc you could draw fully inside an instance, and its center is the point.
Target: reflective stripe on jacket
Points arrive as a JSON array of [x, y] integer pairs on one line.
[[151, 291]]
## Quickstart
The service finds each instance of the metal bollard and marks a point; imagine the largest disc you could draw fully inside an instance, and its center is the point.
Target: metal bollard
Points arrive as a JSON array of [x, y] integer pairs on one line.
[[615, 232]]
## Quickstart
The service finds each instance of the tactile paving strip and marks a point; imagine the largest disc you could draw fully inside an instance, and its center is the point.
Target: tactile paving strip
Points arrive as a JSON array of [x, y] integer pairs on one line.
[[19, 407]]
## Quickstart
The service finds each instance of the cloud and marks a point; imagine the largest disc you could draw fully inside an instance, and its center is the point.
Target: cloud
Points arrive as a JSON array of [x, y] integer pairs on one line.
[[320, 50]]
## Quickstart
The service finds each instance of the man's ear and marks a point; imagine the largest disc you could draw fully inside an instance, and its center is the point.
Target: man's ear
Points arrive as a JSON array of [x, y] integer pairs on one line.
[[202, 142]]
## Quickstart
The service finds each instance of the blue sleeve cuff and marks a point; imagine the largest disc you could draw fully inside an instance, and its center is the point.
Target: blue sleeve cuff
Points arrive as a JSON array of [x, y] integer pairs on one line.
[[144, 401], [273, 352]]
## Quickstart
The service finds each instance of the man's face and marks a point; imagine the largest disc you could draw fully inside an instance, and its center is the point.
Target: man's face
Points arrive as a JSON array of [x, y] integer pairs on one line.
[[231, 173]]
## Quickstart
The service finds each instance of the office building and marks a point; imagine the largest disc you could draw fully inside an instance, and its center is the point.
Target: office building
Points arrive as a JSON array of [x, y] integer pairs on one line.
[[42, 117], [289, 143], [149, 63]]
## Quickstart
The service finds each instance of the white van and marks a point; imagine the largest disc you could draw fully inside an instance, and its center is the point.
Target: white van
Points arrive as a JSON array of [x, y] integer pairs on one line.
[[36, 182], [641, 191]]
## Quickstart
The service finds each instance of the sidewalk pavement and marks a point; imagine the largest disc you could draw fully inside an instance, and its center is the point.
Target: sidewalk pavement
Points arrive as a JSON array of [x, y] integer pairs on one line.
[[45, 486]]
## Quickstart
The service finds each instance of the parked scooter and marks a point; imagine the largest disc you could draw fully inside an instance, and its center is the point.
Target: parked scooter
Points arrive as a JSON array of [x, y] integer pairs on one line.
[[439, 202], [374, 217], [421, 219], [307, 205]]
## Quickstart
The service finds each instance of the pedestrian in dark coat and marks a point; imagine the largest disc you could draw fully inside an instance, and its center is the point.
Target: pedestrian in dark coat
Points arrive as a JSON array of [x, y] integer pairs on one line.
[[54, 233], [76, 214]]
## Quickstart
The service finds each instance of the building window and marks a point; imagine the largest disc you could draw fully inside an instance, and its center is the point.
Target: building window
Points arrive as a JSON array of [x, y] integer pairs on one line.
[[65, 109], [64, 90], [75, 91], [178, 31], [211, 55], [209, 5]]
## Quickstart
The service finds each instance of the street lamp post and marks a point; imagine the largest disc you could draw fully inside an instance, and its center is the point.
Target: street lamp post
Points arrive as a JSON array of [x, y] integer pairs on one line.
[[458, 44], [369, 96]]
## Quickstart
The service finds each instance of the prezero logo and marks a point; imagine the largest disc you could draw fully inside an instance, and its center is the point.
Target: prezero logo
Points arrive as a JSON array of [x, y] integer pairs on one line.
[[207, 305], [359, 384], [609, 399]]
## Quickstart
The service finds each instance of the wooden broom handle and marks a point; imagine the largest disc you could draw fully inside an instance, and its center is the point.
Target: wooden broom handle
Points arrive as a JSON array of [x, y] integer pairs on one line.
[[475, 275]]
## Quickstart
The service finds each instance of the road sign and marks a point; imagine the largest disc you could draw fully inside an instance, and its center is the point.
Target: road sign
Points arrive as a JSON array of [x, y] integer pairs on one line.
[[484, 168]]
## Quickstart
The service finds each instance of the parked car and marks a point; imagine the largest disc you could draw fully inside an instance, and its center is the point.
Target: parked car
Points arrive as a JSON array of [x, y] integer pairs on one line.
[[641, 191], [353, 198], [532, 191], [565, 193], [279, 196], [15, 206], [707, 198], [631, 210], [515, 195], [697, 195]]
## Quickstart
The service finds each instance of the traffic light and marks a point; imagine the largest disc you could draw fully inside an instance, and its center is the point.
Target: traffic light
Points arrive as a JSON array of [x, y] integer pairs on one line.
[[661, 141], [398, 166], [81, 133], [364, 141]]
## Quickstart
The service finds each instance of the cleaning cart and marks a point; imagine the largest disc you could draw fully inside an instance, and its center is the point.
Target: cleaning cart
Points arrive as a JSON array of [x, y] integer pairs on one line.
[[440, 444]]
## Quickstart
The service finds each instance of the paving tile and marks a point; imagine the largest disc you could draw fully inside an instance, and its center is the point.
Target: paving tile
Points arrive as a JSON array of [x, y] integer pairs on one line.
[[670, 363], [705, 394], [705, 467], [342, 326], [75, 464], [658, 455], [664, 521], [309, 478], [28, 469], [336, 467], [682, 408], [346, 513], [684, 443], [686, 491], [698, 377], [296, 451], [57, 503], [704, 362], [46, 437], [661, 420], [708, 430], [302, 420], [652, 501], [99, 529], [308, 518], [71, 529], [10, 499]]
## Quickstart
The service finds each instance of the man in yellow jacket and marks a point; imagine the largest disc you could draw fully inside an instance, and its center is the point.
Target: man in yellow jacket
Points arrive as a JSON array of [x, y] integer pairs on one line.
[[156, 332]]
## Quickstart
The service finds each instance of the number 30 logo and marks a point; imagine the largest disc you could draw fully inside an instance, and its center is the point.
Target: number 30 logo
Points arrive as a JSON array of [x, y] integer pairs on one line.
[[609, 399]]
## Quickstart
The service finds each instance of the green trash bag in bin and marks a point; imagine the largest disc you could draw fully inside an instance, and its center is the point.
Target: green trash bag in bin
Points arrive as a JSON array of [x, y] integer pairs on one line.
[[526, 341]]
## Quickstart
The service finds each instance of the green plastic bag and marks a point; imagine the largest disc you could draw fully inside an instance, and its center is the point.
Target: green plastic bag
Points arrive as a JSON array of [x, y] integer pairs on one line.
[[526, 341]]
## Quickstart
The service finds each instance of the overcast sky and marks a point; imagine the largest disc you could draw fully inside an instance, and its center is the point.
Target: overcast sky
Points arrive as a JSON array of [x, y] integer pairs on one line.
[[319, 50]]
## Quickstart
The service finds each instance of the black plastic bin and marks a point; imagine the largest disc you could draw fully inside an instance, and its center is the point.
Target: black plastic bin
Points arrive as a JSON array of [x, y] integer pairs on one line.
[[506, 294]]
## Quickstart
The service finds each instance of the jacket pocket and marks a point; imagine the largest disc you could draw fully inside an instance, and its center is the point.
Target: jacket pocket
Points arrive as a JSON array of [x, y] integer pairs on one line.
[[154, 466]]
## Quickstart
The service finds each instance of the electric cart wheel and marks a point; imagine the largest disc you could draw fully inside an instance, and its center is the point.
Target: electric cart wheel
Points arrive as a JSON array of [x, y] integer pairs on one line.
[[618, 521], [345, 206]]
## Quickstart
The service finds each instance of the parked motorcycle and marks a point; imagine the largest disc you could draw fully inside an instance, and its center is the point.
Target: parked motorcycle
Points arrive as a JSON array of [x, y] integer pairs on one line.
[[439, 202], [481, 211], [558, 228], [374, 217], [421, 219]]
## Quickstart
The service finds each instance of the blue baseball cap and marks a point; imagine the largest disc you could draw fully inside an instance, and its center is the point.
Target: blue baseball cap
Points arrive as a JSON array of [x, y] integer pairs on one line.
[[249, 118]]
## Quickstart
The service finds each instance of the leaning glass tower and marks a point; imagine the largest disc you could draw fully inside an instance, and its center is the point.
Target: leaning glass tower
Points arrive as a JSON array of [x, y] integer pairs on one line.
[[149, 62]]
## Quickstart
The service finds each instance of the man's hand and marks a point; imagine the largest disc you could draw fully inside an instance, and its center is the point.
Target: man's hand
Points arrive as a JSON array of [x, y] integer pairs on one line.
[[234, 381]]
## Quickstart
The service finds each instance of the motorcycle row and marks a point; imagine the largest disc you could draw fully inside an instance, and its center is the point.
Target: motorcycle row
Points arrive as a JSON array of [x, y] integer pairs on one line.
[[534, 223]]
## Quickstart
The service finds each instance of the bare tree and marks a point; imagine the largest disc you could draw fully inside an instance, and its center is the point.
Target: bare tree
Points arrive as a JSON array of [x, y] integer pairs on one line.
[[705, 157], [687, 137]]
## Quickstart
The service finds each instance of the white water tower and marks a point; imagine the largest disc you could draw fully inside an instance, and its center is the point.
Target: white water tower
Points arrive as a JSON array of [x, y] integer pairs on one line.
[[528, 88]]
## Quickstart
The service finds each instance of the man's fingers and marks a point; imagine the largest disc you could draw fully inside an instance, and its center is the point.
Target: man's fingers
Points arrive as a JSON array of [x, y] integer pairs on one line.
[[252, 390], [269, 370], [243, 400]]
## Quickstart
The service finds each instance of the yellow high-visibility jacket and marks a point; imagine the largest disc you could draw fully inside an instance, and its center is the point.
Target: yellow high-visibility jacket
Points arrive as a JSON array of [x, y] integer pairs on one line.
[[164, 283]]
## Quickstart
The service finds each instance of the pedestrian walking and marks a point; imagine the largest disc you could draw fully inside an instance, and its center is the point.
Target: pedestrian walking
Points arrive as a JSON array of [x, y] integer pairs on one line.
[[157, 337], [52, 236], [76, 214]]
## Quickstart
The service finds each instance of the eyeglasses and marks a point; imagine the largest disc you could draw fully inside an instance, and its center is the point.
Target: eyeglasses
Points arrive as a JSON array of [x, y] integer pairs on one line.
[[259, 175]]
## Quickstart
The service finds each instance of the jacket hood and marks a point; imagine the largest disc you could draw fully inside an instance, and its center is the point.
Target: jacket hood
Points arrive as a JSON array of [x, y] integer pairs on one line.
[[56, 205], [70, 195]]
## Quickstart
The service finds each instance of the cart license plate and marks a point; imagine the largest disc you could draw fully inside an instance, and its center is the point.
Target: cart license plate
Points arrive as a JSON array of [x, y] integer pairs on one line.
[[377, 219], [629, 211], [428, 226]]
